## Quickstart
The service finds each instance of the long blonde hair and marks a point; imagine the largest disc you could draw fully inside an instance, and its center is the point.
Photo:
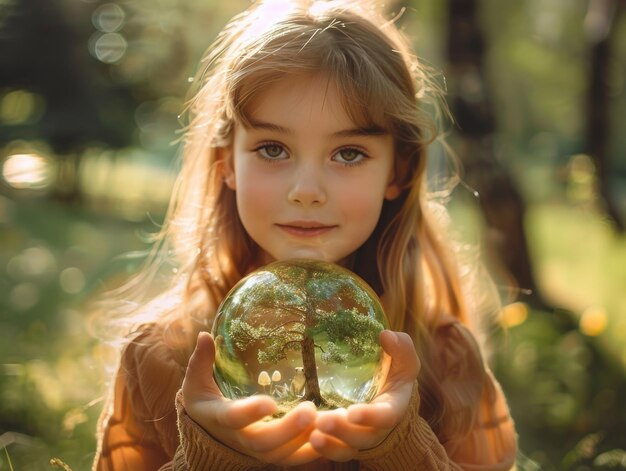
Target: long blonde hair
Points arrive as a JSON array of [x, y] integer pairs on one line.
[[381, 82]]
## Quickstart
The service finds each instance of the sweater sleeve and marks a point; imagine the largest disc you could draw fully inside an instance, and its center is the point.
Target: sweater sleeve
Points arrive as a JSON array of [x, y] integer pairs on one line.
[[137, 427], [199, 451], [489, 442], [144, 426]]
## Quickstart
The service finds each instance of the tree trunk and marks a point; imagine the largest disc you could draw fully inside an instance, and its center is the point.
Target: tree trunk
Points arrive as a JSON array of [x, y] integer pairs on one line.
[[601, 18], [470, 99], [312, 385]]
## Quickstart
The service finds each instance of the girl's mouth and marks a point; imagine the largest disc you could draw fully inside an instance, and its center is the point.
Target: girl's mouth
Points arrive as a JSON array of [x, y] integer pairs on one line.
[[305, 229]]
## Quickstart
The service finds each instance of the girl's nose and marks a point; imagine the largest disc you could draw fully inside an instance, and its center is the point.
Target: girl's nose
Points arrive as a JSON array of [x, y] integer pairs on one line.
[[307, 187]]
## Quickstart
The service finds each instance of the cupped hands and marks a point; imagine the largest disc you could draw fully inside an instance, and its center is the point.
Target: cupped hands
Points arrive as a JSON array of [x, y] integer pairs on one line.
[[304, 434]]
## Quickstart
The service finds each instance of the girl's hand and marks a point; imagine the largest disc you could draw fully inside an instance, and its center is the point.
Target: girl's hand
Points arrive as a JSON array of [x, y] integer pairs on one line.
[[341, 433], [238, 424]]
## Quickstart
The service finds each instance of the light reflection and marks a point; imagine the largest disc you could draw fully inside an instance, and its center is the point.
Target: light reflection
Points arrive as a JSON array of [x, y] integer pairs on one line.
[[27, 171]]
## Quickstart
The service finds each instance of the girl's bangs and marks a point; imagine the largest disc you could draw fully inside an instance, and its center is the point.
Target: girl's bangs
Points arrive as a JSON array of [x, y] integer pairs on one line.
[[366, 108], [369, 95]]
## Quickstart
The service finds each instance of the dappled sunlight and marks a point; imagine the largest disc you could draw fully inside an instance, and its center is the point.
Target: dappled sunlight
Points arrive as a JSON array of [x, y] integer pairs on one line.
[[581, 268], [514, 314], [593, 321], [89, 137], [27, 171], [20, 107]]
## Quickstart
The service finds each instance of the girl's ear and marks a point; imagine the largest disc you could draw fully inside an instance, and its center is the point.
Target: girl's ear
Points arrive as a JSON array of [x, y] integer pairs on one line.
[[393, 190], [225, 156], [398, 179]]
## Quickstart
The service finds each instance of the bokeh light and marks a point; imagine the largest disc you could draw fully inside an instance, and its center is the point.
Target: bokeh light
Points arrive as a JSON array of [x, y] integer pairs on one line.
[[33, 262], [20, 106], [72, 280], [514, 314], [27, 171], [24, 296], [593, 321], [108, 18], [108, 47]]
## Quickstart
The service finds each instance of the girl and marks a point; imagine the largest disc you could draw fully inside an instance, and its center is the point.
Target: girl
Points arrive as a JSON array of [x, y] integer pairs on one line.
[[308, 138]]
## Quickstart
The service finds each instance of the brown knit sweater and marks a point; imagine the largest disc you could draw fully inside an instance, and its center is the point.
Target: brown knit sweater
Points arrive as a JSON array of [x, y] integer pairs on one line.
[[144, 425]]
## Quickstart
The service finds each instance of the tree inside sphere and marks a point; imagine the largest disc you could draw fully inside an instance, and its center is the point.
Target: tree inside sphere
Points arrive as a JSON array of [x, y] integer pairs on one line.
[[301, 330]]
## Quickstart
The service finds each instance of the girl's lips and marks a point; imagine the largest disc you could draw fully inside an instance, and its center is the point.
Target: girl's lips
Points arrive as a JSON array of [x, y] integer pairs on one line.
[[305, 229]]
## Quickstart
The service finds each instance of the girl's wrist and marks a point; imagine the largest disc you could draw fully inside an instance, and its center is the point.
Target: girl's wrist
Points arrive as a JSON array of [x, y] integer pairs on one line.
[[203, 451], [397, 435]]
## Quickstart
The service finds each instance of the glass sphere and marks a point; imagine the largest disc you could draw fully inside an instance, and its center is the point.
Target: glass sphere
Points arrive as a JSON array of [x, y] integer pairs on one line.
[[301, 330]]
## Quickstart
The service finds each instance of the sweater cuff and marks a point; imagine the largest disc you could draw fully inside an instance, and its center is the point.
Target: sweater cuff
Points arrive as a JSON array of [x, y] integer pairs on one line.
[[202, 452], [407, 443]]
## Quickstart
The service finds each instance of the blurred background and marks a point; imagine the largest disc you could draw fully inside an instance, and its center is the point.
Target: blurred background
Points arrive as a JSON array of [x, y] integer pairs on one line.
[[90, 94]]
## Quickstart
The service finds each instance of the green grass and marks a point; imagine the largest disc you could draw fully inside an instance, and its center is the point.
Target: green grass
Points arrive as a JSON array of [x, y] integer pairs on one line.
[[563, 386], [581, 266], [51, 369]]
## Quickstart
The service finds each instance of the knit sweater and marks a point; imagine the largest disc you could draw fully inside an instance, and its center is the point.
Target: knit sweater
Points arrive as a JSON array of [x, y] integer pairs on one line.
[[144, 425]]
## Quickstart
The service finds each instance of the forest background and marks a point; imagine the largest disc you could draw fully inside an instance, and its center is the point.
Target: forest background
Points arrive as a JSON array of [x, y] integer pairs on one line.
[[90, 93]]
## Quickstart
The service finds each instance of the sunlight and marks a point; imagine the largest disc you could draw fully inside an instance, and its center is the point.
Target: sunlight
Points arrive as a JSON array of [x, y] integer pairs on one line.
[[593, 321], [514, 314], [27, 171]]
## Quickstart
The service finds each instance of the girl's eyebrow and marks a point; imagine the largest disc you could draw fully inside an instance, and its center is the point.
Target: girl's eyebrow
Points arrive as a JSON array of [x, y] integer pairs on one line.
[[351, 132]]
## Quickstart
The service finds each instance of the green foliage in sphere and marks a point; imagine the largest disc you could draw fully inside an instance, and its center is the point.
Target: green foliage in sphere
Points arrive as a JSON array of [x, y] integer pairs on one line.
[[301, 330]]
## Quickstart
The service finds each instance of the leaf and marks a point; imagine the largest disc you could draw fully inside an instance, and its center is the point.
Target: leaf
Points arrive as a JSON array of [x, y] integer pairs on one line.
[[57, 463], [612, 459], [333, 353], [584, 449]]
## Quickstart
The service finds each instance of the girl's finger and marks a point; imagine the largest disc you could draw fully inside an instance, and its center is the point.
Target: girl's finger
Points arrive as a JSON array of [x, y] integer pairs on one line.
[[199, 380], [265, 436], [240, 413], [291, 452], [330, 447], [358, 437], [385, 411], [399, 346]]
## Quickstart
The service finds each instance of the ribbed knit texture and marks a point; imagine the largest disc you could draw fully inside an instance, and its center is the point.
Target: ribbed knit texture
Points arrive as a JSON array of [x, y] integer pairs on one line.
[[144, 426]]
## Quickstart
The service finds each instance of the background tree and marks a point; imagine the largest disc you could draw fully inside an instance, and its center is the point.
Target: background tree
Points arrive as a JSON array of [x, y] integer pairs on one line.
[[563, 372], [472, 107], [601, 33]]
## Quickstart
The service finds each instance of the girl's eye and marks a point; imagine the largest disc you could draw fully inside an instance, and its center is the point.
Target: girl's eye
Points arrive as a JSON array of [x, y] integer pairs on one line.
[[349, 156], [272, 152]]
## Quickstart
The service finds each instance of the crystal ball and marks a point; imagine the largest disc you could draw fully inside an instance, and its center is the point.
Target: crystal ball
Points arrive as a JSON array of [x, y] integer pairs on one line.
[[301, 330]]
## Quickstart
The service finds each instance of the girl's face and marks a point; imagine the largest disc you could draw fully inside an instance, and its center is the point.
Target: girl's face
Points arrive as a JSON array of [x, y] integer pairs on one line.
[[309, 182]]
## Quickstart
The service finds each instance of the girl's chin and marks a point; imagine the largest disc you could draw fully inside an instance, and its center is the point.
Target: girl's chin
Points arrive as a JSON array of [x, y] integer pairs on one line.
[[307, 252]]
